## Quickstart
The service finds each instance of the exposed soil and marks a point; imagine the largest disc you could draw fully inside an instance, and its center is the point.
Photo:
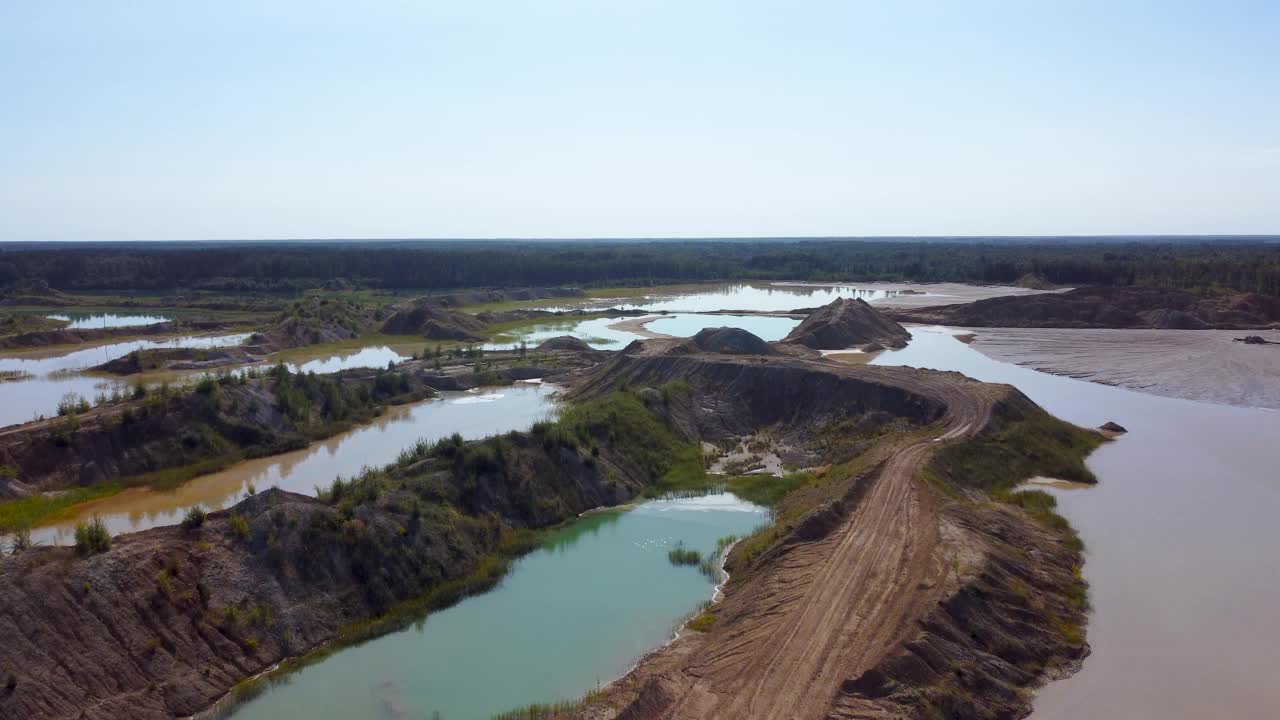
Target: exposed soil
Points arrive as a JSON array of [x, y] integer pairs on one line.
[[1107, 307], [176, 359], [884, 598], [426, 317], [638, 326], [168, 620], [566, 343], [847, 323], [889, 600], [137, 437], [34, 292], [436, 317]]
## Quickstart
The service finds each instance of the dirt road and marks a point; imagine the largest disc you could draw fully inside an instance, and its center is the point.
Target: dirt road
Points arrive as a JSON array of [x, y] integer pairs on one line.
[[832, 608]]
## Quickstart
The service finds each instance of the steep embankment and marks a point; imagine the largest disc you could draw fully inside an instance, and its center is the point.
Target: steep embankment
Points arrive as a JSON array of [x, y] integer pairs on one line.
[[166, 621], [877, 594], [1107, 307], [867, 567], [218, 421], [846, 323]]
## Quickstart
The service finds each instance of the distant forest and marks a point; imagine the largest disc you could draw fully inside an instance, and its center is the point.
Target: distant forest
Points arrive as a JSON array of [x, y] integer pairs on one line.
[[1198, 265]]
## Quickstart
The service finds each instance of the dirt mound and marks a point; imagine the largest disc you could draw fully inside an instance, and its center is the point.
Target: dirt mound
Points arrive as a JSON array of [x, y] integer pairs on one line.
[[847, 322], [425, 316], [175, 359], [729, 341], [1107, 307], [34, 292], [317, 320], [566, 343]]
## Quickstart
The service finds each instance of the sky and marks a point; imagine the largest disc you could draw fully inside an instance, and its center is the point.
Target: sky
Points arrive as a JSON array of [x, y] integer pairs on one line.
[[168, 120]]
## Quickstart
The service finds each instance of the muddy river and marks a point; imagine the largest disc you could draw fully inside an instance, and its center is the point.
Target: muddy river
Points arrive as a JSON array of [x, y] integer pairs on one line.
[[569, 617], [1181, 534], [473, 414]]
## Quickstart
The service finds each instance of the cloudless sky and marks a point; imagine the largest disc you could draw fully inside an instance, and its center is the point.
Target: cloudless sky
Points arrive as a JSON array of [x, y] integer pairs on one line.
[[223, 119]]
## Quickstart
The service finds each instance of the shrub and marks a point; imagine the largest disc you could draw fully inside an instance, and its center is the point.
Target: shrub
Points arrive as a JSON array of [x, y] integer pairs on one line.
[[702, 622], [239, 526], [164, 583], [21, 541], [194, 518], [92, 537], [70, 404]]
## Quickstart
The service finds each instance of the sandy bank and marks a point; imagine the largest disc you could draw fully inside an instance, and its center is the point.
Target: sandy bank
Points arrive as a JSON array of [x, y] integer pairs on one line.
[[1202, 365]]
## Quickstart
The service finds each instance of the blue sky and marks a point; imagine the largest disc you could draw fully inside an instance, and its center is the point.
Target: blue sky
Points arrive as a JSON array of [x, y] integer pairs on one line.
[[183, 120]]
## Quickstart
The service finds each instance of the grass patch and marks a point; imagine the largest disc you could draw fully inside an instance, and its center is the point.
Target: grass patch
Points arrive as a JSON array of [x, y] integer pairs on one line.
[[517, 330], [1023, 443], [546, 711], [768, 490], [702, 622], [681, 555], [40, 509], [92, 537], [170, 478]]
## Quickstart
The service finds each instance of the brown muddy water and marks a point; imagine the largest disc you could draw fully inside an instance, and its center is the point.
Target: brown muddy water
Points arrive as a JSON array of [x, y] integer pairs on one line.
[[1181, 534], [473, 414]]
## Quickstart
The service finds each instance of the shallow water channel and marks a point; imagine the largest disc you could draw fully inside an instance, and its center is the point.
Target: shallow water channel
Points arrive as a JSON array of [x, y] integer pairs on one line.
[[473, 414], [50, 376], [569, 617], [1181, 533]]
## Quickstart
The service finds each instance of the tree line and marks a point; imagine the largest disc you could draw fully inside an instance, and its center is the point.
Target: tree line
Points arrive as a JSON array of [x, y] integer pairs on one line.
[[1251, 266]]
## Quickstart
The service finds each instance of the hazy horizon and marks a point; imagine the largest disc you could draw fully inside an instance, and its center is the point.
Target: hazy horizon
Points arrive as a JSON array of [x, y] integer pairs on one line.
[[522, 120]]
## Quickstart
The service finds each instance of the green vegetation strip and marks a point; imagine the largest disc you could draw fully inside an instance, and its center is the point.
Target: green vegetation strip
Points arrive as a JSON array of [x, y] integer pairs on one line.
[[637, 437], [40, 509]]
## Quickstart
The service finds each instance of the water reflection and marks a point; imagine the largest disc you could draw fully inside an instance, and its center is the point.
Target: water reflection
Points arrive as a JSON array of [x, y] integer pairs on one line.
[[688, 325], [51, 376], [366, 357], [302, 471], [82, 321], [570, 616]]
